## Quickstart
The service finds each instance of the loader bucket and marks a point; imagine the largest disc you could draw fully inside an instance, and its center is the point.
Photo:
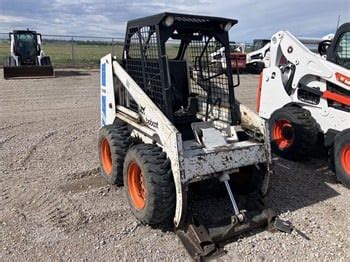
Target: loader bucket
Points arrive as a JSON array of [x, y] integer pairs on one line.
[[28, 71]]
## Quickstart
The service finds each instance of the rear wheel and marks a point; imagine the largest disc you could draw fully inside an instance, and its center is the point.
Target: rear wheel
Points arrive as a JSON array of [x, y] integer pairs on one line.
[[9, 61], [112, 146], [255, 68], [149, 183], [342, 157], [293, 132], [45, 60]]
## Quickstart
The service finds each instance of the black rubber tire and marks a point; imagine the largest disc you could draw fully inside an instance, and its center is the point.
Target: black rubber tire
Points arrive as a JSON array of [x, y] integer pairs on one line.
[[118, 138], [45, 61], [255, 68], [160, 197], [9, 61], [304, 130], [341, 141]]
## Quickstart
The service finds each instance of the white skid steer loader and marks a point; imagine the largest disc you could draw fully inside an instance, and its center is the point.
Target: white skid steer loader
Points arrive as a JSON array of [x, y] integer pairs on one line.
[[259, 57], [169, 123], [304, 94], [27, 59]]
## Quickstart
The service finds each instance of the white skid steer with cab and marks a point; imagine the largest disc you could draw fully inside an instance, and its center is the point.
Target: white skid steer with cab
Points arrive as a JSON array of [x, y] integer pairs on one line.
[[306, 98], [169, 123], [27, 58]]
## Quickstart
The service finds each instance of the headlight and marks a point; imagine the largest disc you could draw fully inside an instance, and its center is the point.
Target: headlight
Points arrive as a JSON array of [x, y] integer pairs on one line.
[[227, 26], [169, 21]]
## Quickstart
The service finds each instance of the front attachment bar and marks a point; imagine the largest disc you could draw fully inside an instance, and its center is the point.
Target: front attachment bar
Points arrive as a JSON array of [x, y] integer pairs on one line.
[[28, 71], [197, 241], [204, 243]]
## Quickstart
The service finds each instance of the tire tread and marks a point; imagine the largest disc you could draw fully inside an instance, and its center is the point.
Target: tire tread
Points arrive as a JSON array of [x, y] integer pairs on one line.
[[161, 194]]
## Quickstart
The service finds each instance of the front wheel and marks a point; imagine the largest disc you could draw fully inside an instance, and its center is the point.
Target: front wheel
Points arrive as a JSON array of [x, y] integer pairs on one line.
[[342, 157], [149, 184], [293, 132]]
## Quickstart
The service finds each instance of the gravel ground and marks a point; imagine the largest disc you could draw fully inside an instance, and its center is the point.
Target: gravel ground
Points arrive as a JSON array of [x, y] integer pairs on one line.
[[55, 206]]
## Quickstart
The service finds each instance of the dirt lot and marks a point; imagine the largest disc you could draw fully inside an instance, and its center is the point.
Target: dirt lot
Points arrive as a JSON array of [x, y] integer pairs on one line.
[[55, 206]]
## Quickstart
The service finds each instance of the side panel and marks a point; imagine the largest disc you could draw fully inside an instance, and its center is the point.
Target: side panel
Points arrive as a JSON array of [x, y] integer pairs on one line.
[[38, 40], [12, 39], [152, 117], [272, 96], [107, 91]]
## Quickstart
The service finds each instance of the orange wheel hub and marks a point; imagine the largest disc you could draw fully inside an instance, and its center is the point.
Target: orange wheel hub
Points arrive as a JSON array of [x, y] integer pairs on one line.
[[345, 159], [283, 134], [106, 157], [136, 186]]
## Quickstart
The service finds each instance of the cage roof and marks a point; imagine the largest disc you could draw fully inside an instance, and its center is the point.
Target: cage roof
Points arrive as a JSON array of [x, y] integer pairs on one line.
[[193, 20]]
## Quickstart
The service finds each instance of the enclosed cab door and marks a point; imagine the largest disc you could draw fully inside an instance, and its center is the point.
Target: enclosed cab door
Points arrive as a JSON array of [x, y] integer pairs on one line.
[[339, 50], [26, 47]]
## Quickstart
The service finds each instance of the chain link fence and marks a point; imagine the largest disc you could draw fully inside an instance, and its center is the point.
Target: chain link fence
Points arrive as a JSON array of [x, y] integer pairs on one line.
[[71, 51]]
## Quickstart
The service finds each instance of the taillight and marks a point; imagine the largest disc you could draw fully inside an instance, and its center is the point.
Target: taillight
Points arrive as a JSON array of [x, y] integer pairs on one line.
[[342, 78]]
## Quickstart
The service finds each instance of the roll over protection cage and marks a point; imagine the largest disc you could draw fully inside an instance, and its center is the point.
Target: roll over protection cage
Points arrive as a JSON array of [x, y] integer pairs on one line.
[[145, 51]]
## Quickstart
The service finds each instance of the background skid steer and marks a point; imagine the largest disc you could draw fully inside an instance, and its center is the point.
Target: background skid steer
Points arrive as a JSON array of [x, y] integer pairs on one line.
[[27, 58], [306, 98], [170, 123]]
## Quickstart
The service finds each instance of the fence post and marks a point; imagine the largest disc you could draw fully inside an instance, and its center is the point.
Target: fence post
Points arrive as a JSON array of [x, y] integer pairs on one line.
[[113, 47], [72, 55]]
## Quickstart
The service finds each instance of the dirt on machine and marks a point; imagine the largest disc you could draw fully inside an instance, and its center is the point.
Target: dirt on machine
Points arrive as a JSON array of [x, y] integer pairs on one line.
[[27, 59], [171, 124], [305, 97]]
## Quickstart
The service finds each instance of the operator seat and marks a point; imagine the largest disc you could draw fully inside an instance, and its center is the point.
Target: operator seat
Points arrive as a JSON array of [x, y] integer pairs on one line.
[[185, 105]]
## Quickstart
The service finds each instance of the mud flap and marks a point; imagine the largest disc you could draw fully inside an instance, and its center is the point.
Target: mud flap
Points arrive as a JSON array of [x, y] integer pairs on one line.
[[205, 242], [28, 71]]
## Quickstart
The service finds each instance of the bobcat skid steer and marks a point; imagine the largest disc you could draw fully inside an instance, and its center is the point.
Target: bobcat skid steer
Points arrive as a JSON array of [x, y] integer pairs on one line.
[[306, 96], [259, 57], [27, 58], [169, 123]]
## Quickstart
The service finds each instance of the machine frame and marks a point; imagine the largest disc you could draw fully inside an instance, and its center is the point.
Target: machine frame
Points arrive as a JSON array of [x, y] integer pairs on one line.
[[200, 133]]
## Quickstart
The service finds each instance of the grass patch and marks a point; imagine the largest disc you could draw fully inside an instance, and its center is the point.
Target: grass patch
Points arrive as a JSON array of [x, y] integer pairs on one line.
[[63, 55]]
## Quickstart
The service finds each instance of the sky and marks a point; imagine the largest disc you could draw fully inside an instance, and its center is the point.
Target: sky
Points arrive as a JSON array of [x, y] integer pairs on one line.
[[257, 18]]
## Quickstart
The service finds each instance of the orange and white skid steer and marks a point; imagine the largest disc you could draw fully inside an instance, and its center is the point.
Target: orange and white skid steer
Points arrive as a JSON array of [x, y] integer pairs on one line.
[[305, 96]]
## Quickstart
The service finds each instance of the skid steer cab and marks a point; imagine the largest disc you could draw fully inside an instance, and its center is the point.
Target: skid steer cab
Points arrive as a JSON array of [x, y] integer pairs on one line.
[[27, 58], [305, 97], [169, 119], [259, 57]]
